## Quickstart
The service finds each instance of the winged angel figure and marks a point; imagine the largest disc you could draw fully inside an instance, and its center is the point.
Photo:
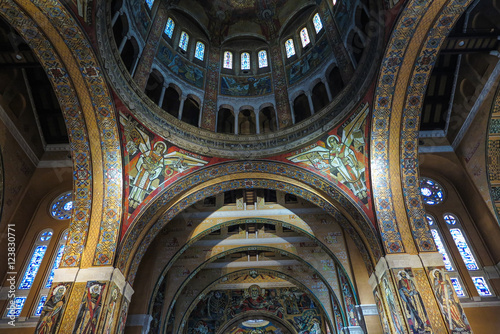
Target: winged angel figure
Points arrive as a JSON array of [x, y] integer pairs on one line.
[[338, 157], [150, 164]]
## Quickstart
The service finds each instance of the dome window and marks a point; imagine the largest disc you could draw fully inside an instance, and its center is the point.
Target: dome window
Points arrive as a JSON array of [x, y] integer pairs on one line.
[[169, 28], [263, 59], [290, 48], [200, 51], [304, 37], [334, 2], [149, 3], [245, 61], [183, 42], [228, 60], [318, 25]]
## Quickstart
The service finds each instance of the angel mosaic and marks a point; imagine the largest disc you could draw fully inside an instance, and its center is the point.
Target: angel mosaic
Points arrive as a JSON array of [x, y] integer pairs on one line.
[[150, 164], [341, 155]]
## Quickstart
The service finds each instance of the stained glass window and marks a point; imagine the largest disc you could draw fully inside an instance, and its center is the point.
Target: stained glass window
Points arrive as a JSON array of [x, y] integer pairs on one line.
[[228, 60], [290, 49], [450, 219], [61, 207], [199, 53], [263, 59], [183, 42], [464, 249], [34, 265], [457, 286], [39, 308], [442, 250], [304, 37], [169, 28], [150, 3], [481, 286], [245, 61], [432, 192], [318, 25], [430, 220], [16, 307], [55, 265], [45, 236]]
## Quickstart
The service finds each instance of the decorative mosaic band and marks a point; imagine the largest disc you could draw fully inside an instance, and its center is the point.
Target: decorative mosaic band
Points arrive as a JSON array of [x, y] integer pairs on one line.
[[384, 96], [493, 153], [280, 87], [411, 120], [209, 110], [74, 116]]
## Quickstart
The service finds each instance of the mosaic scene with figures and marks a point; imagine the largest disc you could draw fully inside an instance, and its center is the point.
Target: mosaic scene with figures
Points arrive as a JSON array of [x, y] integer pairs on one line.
[[249, 166]]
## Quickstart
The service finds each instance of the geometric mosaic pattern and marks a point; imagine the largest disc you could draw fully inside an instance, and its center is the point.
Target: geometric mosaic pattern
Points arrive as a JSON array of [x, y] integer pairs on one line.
[[493, 154], [93, 106]]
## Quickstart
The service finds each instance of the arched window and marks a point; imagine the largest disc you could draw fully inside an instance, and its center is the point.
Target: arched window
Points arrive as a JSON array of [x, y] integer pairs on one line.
[[62, 206], [439, 243], [432, 192], [199, 52], [263, 59], [56, 259], [318, 25], [29, 272], [245, 61], [290, 48], [304, 37], [183, 42], [169, 28], [149, 3], [334, 2], [228, 60]]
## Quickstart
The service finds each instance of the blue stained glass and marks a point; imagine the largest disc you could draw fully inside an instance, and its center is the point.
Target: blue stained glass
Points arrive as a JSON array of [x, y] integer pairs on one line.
[[199, 53], [169, 28], [55, 265], [450, 219], [464, 249], [290, 49], [304, 37], [62, 206], [16, 307], [263, 59], [481, 286], [245, 61], [318, 25], [39, 308], [150, 3], [228, 60], [45, 236], [430, 220], [432, 192], [442, 250], [34, 265], [458, 287], [183, 43]]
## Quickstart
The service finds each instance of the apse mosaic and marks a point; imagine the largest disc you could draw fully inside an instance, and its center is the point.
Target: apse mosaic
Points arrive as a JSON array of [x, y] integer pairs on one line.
[[150, 161], [245, 86], [341, 156], [309, 62], [261, 326], [183, 69], [290, 304]]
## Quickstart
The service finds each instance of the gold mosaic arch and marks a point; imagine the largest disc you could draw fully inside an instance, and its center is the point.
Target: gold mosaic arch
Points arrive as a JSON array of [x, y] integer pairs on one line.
[[134, 245], [409, 58], [63, 51]]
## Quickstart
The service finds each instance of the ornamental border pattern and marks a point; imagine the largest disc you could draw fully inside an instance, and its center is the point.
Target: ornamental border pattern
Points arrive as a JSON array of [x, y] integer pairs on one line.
[[107, 124], [77, 132], [380, 136], [245, 184], [223, 169], [493, 154], [411, 120]]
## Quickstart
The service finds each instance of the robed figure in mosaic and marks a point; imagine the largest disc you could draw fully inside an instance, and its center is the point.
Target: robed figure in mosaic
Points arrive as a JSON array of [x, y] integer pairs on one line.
[[413, 303], [52, 311]]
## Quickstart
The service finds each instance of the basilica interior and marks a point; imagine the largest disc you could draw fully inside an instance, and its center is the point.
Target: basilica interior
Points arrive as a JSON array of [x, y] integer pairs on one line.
[[250, 166]]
